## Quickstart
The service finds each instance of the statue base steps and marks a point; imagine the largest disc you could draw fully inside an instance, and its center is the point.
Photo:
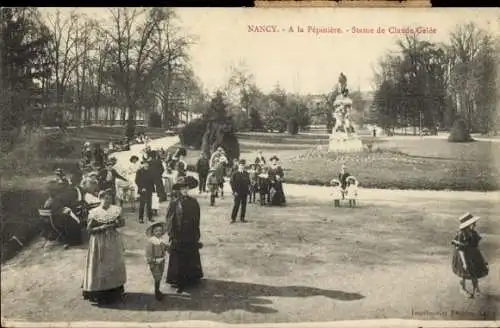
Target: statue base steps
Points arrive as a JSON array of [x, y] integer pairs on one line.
[[350, 144]]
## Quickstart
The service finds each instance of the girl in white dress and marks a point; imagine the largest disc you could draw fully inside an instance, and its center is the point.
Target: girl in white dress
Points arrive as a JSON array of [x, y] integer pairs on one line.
[[336, 192], [352, 190]]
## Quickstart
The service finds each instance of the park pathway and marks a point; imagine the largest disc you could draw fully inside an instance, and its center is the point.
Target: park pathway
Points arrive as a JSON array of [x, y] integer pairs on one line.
[[368, 263]]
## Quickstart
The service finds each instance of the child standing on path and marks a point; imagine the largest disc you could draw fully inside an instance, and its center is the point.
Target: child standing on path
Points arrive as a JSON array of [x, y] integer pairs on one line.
[[156, 250], [352, 190], [213, 185], [337, 192], [468, 262]]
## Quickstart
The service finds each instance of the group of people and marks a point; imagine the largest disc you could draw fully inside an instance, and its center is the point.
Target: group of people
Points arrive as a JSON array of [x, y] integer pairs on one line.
[[105, 270], [85, 203], [64, 212], [72, 193], [246, 181], [345, 187], [92, 203]]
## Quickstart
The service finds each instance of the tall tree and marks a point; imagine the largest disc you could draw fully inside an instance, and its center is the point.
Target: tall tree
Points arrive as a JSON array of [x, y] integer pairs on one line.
[[471, 72], [24, 64], [136, 55], [61, 50]]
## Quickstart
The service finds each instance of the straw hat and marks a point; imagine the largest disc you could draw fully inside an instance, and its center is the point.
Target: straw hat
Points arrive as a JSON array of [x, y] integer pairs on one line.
[[467, 219], [351, 178], [152, 225], [334, 182], [274, 158], [104, 192]]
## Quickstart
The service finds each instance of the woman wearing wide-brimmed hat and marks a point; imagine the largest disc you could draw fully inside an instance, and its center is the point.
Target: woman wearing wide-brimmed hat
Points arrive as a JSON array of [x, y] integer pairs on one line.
[[276, 175], [105, 273], [183, 221], [156, 249], [468, 262], [68, 209]]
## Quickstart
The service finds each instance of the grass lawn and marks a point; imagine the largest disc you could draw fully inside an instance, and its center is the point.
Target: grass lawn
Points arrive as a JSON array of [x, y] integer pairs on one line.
[[393, 163], [306, 262]]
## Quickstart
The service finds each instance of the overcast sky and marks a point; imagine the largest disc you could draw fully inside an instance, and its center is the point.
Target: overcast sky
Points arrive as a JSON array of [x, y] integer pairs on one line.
[[306, 62]]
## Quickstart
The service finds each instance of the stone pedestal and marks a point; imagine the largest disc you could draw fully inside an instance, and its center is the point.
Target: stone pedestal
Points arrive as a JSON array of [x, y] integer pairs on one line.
[[343, 143]]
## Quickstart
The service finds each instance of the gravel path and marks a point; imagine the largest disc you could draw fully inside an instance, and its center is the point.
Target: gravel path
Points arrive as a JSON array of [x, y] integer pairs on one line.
[[304, 263]]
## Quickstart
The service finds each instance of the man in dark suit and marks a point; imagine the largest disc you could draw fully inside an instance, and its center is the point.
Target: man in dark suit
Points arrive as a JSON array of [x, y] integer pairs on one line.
[[145, 181], [156, 167], [240, 184], [343, 179], [202, 166]]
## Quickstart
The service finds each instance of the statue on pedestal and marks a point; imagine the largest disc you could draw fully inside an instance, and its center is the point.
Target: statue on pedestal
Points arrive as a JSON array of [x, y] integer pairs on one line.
[[342, 109], [343, 137]]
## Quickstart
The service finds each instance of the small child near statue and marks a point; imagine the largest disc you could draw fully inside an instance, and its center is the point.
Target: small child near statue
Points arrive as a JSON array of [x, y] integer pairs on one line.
[[337, 192], [352, 190]]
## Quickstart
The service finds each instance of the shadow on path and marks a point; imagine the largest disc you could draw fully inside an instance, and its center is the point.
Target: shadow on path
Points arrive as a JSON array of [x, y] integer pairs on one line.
[[218, 296]]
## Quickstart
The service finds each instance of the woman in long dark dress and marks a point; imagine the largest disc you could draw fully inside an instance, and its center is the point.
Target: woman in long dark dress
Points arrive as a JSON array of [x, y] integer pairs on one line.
[[276, 175], [105, 273], [183, 222], [468, 262]]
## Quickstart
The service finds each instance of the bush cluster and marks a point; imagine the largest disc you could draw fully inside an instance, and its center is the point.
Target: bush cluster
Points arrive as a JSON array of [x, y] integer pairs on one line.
[[154, 120], [293, 126], [459, 132], [191, 135]]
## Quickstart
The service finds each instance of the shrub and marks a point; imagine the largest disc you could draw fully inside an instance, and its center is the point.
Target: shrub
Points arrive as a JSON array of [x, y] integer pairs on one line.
[[293, 126], [459, 132], [54, 145], [242, 122], [276, 124], [256, 121], [192, 133], [155, 120], [231, 146], [33, 153], [130, 131]]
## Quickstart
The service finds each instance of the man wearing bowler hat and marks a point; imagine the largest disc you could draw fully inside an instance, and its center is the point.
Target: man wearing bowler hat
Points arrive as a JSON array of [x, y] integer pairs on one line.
[[240, 184]]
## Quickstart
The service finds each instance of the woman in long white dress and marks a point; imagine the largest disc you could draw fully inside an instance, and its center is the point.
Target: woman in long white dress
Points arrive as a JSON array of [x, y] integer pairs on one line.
[[105, 273], [129, 191]]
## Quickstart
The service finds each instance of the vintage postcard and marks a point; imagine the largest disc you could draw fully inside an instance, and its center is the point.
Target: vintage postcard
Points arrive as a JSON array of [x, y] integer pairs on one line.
[[265, 167]]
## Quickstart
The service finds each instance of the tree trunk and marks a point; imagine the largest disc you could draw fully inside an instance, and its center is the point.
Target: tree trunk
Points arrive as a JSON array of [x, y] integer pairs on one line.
[[166, 113]]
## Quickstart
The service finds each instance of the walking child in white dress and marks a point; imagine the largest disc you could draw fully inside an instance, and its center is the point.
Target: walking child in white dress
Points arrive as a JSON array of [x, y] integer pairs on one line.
[[352, 190], [336, 192]]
